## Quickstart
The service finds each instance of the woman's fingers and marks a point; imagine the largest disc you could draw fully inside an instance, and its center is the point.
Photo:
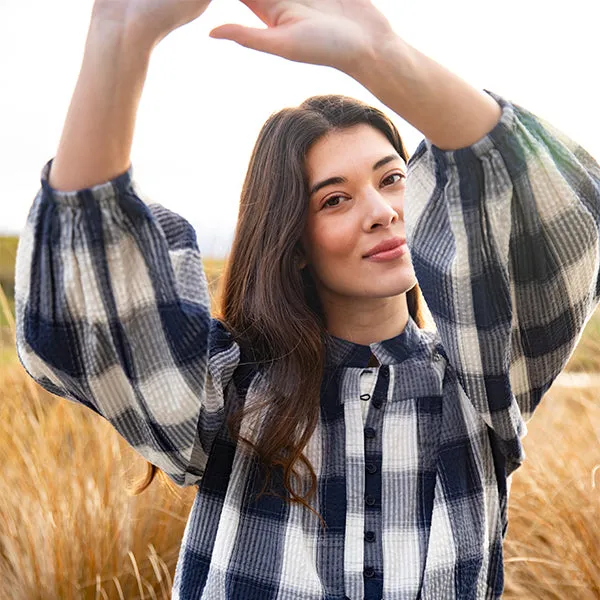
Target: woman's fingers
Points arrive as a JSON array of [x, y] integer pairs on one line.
[[264, 40]]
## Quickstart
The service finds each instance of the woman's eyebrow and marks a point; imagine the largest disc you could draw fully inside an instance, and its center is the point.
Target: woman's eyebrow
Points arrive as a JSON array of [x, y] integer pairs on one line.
[[336, 180]]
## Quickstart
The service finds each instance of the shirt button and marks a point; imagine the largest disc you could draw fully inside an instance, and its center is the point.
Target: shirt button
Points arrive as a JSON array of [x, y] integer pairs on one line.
[[370, 432], [371, 468], [370, 500], [369, 572], [365, 397], [370, 536], [376, 403]]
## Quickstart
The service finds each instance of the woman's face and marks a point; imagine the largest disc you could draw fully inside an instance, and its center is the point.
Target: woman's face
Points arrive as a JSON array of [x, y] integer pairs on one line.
[[359, 205]]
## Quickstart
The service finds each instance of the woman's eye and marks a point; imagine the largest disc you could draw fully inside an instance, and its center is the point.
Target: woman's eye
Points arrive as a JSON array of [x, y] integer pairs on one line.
[[326, 203], [400, 175], [331, 201]]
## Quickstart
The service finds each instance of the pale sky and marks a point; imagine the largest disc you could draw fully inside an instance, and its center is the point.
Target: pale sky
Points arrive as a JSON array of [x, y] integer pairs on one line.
[[205, 100]]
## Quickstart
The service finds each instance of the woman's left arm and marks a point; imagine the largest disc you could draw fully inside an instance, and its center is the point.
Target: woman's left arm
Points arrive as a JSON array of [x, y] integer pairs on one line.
[[502, 218]]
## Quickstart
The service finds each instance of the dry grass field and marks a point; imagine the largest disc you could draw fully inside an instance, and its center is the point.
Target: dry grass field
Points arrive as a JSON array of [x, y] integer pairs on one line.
[[70, 530]]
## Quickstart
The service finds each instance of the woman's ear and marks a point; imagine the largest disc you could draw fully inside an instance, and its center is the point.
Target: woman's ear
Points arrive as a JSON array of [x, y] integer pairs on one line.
[[301, 260]]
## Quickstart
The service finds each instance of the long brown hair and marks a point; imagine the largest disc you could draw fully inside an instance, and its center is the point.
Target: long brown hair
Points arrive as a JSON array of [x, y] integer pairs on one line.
[[269, 304]]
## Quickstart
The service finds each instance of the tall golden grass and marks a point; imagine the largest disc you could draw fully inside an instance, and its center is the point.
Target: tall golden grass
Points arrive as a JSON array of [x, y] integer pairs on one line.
[[553, 544], [69, 529]]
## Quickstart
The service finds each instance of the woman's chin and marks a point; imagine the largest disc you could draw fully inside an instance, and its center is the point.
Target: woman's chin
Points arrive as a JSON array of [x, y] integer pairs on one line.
[[382, 289], [391, 283]]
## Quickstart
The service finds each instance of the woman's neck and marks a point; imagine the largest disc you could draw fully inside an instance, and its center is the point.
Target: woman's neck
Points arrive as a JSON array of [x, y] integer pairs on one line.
[[367, 320]]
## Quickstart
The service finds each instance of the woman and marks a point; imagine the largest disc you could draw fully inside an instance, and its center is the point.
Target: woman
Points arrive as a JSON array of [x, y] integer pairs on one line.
[[339, 449]]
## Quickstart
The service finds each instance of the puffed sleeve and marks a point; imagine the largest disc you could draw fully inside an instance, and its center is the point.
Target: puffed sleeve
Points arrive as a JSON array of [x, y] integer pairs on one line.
[[113, 312], [504, 239]]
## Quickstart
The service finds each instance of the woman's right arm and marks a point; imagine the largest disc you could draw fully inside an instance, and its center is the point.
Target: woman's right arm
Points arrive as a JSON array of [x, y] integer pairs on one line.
[[95, 145], [112, 304]]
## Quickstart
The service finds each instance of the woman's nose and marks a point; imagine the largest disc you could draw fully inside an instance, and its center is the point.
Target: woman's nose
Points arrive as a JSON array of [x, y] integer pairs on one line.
[[381, 210]]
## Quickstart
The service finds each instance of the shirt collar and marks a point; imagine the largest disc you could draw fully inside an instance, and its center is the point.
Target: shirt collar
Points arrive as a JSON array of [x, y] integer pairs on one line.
[[343, 353]]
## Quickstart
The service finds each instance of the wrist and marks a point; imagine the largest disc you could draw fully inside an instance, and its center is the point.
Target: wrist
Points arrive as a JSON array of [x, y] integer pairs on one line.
[[379, 56], [116, 24]]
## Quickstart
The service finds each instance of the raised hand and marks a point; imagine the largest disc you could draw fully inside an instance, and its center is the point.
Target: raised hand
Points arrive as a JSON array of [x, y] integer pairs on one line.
[[335, 33]]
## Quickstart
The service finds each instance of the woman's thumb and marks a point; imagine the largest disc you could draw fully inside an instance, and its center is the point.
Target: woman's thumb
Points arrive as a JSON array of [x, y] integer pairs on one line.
[[249, 37]]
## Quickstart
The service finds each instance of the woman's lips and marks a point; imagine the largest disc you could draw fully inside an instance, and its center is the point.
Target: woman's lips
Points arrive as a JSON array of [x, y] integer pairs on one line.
[[389, 254]]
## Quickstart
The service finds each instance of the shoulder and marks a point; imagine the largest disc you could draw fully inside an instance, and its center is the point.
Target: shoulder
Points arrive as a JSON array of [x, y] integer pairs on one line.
[[431, 344], [228, 359], [220, 339]]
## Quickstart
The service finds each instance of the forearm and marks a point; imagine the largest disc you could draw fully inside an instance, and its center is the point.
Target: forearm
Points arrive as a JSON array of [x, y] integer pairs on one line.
[[448, 111], [96, 142]]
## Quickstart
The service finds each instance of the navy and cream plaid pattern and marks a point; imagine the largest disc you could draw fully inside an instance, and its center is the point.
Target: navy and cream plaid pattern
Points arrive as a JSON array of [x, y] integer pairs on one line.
[[113, 312]]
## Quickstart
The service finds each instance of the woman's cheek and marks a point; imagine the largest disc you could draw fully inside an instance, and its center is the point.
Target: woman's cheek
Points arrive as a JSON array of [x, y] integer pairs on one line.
[[337, 242], [337, 255]]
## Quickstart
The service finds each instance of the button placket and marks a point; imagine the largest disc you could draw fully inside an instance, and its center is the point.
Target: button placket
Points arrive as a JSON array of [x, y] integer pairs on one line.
[[373, 548]]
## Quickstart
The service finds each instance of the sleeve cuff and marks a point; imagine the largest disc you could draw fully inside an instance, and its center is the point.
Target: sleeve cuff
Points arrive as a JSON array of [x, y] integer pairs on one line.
[[499, 134], [101, 193]]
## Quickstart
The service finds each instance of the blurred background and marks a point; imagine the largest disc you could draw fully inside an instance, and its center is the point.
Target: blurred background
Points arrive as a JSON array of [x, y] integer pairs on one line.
[[68, 528]]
